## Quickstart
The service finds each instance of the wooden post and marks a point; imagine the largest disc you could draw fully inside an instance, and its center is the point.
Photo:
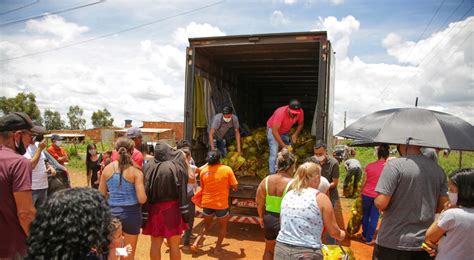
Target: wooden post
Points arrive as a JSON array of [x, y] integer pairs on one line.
[[460, 159], [344, 119], [75, 148]]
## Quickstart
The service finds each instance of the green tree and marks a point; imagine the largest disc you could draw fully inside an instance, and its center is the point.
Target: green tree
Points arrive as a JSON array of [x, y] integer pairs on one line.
[[75, 118], [102, 118], [23, 102], [52, 120]]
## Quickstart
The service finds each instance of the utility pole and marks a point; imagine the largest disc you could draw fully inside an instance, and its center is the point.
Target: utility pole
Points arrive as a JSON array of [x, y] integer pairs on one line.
[[345, 119]]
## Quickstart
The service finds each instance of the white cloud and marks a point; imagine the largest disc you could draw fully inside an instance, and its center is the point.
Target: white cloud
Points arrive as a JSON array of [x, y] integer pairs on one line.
[[56, 25], [336, 2], [138, 79], [339, 32], [445, 83], [441, 43], [290, 2], [194, 30], [278, 18]]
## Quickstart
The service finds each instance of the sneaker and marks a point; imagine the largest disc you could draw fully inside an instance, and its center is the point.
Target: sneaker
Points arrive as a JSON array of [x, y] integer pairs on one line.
[[194, 248]]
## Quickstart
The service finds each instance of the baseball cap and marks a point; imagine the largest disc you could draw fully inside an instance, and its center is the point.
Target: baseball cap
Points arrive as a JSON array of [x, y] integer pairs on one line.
[[134, 132], [182, 144], [227, 110], [39, 130], [56, 137], [16, 121], [295, 106]]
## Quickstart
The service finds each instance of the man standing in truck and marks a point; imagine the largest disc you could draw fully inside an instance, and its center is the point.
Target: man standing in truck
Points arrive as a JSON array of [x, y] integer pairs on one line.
[[221, 123], [278, 129]]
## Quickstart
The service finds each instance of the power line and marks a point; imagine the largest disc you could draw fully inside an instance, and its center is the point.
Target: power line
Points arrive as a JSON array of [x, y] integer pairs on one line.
[[454, 51], [19, 8], [449, 17], [51, 13], [426, 28], [435, 46], [114, 33], [438, 45], [419, 38]]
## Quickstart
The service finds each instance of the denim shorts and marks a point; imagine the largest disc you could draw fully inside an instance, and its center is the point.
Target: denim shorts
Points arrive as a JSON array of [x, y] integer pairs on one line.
[[130, 216], [289, 252], [217, 212], [271, 225]]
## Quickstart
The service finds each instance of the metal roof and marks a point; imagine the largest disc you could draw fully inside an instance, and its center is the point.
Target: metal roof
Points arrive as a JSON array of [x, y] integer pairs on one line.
[[147, 130]]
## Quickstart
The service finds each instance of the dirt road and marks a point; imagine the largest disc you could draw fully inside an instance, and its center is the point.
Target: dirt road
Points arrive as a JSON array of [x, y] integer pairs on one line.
[[243, 241]]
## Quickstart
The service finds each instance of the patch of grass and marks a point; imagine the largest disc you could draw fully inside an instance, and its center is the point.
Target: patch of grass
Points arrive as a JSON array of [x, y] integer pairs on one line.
[[451, 163], [77, 154], [76, 164]]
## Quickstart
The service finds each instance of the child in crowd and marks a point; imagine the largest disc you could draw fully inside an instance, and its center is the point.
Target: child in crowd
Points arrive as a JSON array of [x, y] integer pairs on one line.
[[451, 235], [191, 189], [116, 249], [106, 158]]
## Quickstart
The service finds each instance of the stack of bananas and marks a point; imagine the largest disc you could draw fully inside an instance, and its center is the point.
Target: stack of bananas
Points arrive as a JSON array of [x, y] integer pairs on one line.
[[253, 161], [333, 252], [356, 213]]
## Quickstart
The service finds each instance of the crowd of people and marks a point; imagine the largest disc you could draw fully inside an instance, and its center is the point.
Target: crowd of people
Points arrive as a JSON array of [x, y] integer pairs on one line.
[[131, 192]]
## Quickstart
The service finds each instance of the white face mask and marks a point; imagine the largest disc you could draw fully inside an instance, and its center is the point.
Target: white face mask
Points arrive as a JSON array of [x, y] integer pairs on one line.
[[320, 158], [453, 197], [227, 119], [57, 143], [92, 151]]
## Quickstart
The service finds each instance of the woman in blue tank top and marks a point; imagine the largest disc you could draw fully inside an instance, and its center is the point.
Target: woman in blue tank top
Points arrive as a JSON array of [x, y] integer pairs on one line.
[[123, 185]]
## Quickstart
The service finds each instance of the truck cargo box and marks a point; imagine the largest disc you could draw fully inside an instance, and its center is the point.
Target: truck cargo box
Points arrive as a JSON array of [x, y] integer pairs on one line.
[[255, 74]]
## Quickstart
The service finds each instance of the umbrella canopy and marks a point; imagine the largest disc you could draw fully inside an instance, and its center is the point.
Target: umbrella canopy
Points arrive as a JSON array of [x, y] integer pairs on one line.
[[417, 126]]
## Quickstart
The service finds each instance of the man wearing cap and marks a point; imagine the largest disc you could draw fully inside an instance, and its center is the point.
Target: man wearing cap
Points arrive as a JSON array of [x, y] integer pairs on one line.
[[16, 204], [39, 177], [56, 150], [135, 134], [279, 126], [221, 123]]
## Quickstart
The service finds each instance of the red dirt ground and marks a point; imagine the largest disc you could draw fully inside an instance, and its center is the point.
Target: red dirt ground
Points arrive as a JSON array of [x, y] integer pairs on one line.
[[243, 241]]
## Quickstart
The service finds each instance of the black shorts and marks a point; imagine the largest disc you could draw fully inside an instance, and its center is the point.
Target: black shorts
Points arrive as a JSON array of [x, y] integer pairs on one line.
[[271, 225], [385, 253]]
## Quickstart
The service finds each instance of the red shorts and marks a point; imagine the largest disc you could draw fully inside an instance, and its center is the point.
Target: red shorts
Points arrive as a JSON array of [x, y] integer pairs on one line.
[[164, 220]]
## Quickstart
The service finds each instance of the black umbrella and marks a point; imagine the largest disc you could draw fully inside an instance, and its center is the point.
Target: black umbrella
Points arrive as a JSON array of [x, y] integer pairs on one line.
[[416, 126]]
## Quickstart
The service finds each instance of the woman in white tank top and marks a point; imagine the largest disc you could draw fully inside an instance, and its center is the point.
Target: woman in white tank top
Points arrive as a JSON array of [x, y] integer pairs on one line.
[[304, 213]]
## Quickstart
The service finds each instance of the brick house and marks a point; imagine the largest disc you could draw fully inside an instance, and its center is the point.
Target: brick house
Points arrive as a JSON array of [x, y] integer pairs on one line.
[[176, 127]]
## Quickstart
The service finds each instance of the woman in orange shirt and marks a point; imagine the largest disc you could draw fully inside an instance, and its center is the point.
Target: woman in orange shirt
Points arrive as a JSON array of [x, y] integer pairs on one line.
[[216, 181]]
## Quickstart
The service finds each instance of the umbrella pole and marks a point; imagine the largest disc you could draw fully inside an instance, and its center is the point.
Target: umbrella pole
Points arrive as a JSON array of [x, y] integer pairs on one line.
[[460, 159]]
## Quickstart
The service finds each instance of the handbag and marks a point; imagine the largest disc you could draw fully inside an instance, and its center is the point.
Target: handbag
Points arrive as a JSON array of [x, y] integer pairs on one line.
[[197, 198]]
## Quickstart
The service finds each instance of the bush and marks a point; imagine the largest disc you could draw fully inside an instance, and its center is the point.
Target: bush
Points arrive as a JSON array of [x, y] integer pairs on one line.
[[366, 155], [77, 154]]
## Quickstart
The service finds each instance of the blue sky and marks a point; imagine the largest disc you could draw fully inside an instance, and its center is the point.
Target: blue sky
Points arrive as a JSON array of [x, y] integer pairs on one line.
[[379, 45]]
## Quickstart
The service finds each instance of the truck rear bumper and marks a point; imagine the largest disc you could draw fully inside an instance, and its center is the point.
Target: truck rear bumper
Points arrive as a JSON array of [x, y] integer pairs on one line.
[[235, 218]]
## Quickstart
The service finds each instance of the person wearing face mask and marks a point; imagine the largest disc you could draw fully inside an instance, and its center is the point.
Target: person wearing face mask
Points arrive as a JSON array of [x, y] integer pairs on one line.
[[56, 150], [40, 171], [278, 129], [16, 204], [221, 123], [451, 235], [410, 190], [329, 170], [93, 160]]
